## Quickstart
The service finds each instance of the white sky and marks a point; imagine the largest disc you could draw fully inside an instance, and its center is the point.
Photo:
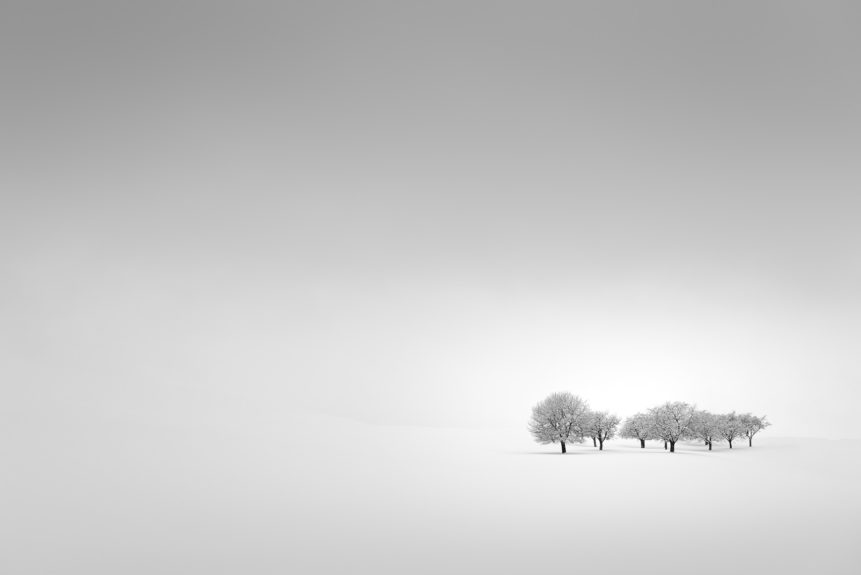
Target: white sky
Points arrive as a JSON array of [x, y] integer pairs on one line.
[[429, 215]]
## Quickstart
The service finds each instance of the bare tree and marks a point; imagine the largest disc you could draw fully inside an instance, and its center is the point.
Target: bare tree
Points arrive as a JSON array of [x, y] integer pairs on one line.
[[731, 427], [558, 419], [672, 422], [705, 426], [752, 425], [601, 425], [639, 426]]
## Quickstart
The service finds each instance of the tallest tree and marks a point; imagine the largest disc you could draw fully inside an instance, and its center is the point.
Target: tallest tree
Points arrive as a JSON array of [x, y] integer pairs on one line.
[[559, 419]]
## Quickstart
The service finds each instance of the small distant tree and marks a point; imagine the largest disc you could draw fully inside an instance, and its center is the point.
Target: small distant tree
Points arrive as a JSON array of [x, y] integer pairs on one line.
[[601, 425], [752, 425], [587, 430], [639, 426], [730, 427], [672, 422], [705, 426], [558, 419]]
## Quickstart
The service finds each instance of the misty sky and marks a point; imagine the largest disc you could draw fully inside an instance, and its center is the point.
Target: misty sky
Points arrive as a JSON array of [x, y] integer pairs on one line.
[[218, 214]]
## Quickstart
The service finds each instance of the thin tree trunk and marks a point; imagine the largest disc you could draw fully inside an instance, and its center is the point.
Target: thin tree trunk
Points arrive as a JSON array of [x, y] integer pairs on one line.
[[665, 445], [750, 441], [594, 443], [672, 447], [730, 443], [642, 444], [710, 445], [600, 445], [563, 446]]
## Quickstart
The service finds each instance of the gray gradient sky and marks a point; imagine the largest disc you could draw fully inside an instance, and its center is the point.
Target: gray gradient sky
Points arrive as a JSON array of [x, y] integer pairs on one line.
[[218, 214]]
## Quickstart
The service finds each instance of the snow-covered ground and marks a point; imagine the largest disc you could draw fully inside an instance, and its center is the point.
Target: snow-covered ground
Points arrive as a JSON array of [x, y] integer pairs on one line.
[[325, 495]]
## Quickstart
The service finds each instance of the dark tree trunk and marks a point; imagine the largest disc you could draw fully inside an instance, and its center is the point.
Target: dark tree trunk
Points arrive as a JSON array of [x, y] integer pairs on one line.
[[672, 447], [563, 446], [730, 443], [750, 441], [594, 443], [600, 445], [665, 445], [710, 445], [642, 444]]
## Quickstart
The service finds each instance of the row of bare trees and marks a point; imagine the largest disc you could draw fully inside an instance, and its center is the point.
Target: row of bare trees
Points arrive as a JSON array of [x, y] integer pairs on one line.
[[565, 418]]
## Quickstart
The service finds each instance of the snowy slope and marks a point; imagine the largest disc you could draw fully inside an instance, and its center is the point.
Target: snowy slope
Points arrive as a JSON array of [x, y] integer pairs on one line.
[[324, 495]]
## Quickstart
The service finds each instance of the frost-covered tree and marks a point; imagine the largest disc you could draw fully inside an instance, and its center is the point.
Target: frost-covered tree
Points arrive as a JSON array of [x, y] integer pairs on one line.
[[731, 427], [559, 419], [587, 431], [601, 425], [705, 426], [752, 425], [672, 422], [639, 426]]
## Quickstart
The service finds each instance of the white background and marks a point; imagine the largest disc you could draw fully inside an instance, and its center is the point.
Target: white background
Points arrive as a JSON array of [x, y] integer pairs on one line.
[[247, 248]]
